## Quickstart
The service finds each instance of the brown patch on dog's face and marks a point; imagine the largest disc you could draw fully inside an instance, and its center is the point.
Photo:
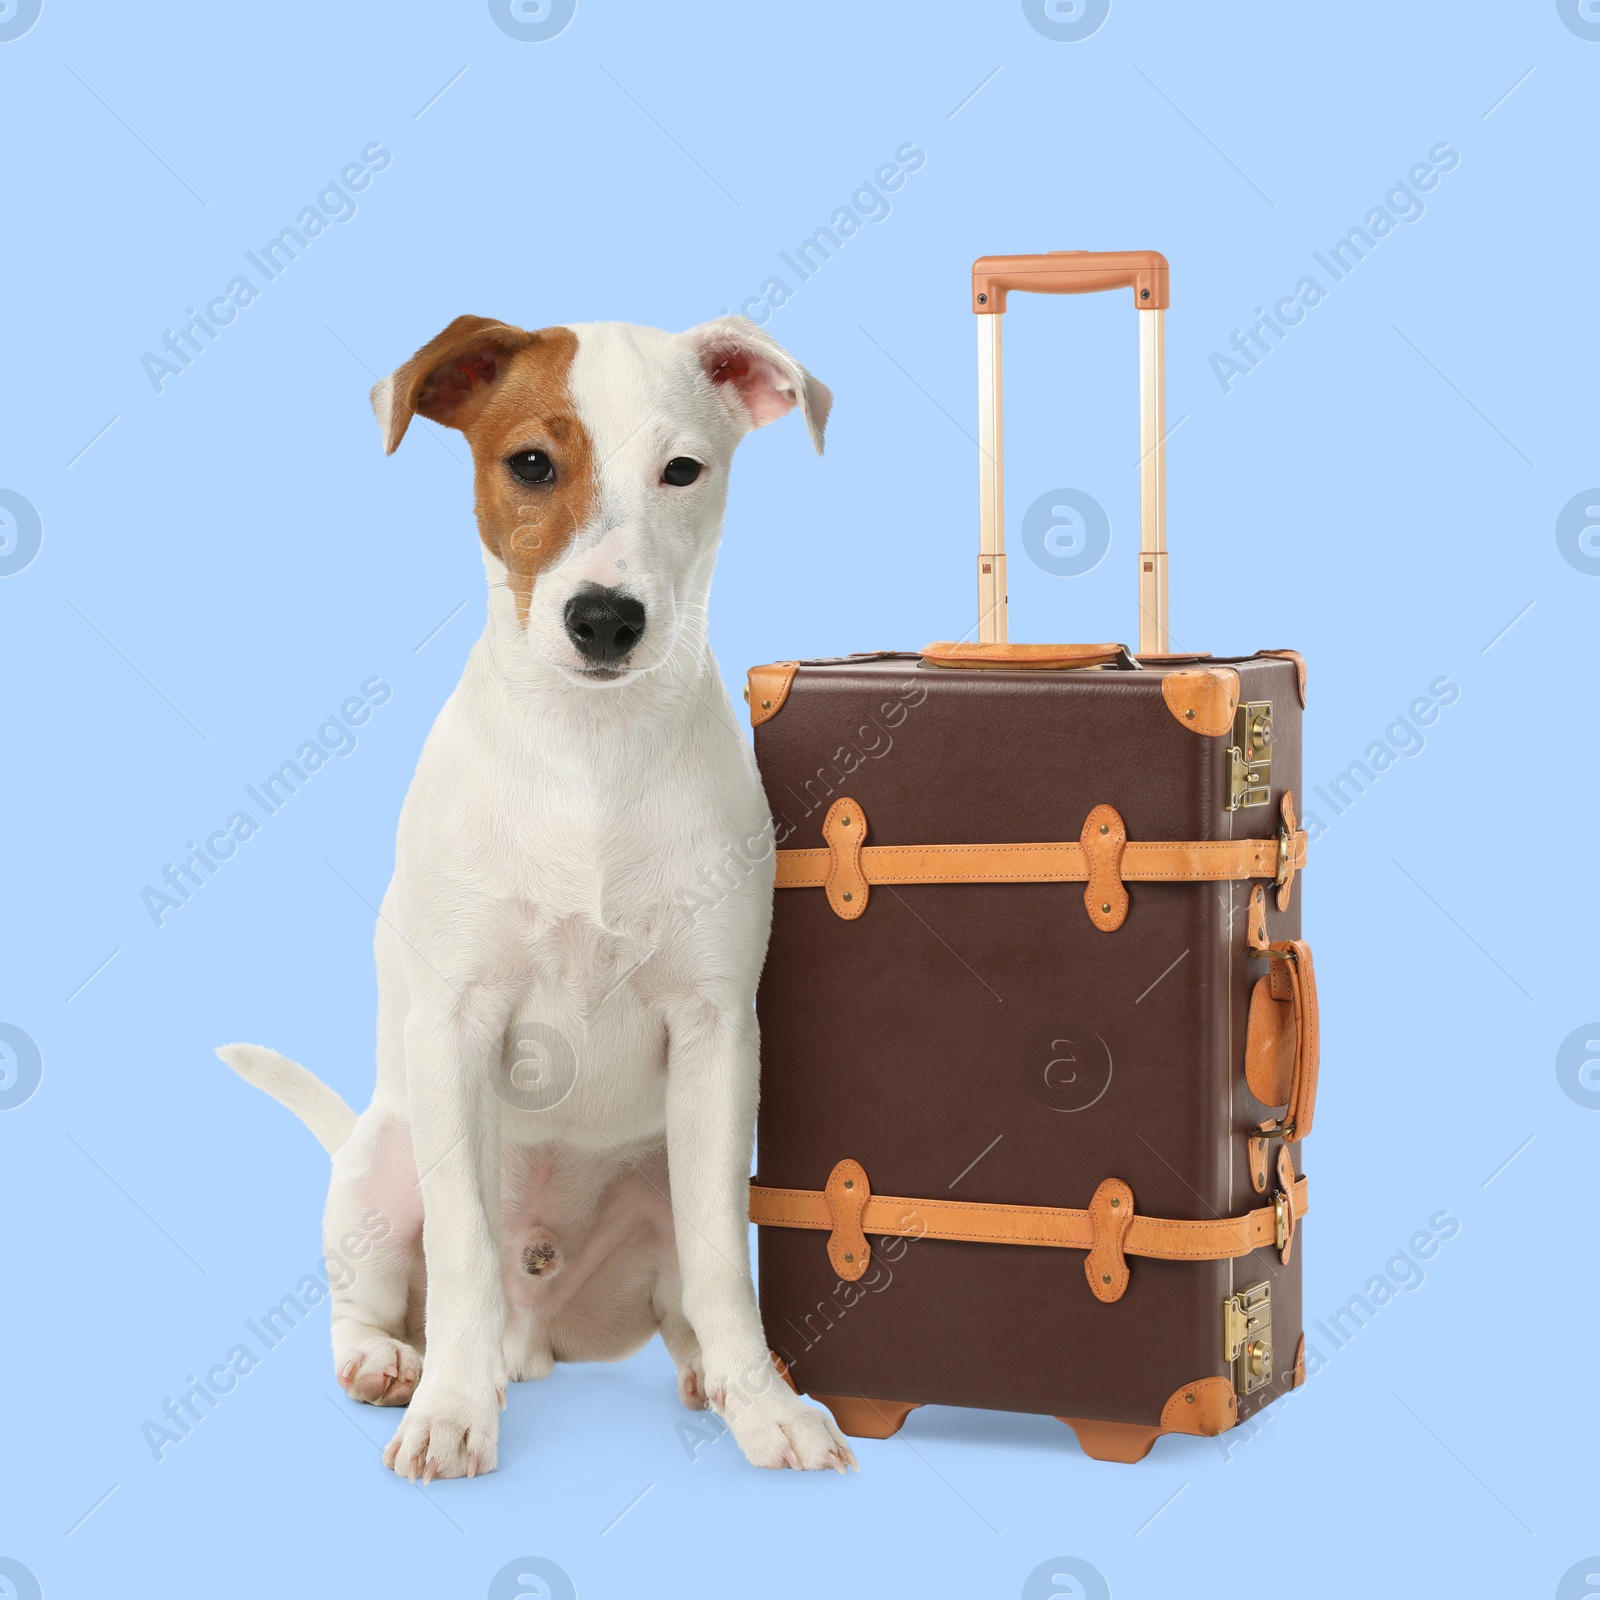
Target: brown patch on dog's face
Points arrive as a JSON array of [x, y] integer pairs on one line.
[[508, 390], [528, 417]]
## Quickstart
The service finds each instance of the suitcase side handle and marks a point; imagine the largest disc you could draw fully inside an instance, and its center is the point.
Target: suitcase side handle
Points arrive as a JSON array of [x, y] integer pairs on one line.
[[1075, 272]]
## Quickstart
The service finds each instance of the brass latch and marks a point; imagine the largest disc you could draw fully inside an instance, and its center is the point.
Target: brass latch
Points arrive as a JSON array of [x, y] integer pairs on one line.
[[1250, 756], [1247, 1336]]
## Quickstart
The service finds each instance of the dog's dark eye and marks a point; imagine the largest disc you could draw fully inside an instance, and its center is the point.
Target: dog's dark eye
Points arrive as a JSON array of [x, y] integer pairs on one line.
[[680, 470], [532, 466]]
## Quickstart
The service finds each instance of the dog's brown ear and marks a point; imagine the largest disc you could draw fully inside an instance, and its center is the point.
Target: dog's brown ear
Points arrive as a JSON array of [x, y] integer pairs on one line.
[[448, 378], [762, 380]]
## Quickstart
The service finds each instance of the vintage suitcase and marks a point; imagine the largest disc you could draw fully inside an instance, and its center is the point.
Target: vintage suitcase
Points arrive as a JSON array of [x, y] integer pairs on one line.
[[1038, 1030]]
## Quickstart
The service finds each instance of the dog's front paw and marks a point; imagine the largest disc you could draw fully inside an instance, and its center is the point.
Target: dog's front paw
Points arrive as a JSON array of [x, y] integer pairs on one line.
[[446, 1436], [780, 1430], [379, 1370]]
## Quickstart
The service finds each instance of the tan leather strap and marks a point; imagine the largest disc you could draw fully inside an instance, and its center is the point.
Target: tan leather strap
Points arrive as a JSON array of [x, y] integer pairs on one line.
[[1102, 857], [1060, 1227], [1199, 861]]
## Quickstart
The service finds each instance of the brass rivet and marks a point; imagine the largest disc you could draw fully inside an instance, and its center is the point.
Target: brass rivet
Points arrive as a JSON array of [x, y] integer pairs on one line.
[[844, 821], [1189, 1398], [849, 1255], [1105, 827], [1105, 1277], [849, 1183], [766, 705], [848, 896], [1116, 1200], [1190, 713], [1105, 907]]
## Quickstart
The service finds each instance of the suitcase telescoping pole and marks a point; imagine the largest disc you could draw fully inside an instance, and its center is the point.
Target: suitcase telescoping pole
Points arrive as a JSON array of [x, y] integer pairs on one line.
[[1074, 272]]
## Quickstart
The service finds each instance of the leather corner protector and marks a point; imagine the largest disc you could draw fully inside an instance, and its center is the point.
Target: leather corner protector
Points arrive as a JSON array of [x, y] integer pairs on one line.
[[1299, 669], [768, 689], [1286, 1184], [1110, 1215], [1297, 1375], [1207, 1408], [783, 1370], [845, 829], [848, 1193], [1203, 699], [1103, 839]]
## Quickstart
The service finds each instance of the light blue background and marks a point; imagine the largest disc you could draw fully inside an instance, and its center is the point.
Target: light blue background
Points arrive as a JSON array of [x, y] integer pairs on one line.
[[234, 556]]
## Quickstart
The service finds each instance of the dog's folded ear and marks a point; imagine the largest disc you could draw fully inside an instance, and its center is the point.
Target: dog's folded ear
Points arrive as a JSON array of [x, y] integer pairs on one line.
[[761, 379], [448, 378]]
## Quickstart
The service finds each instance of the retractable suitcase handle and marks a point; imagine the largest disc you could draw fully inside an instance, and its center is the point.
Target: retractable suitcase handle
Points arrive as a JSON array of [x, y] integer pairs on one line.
[[1146, 273]]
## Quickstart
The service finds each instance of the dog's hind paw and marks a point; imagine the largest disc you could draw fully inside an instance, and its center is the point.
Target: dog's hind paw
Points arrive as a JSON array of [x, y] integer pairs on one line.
[[379, 1370], [446, 1437], [692, 1386], [790, 1433]]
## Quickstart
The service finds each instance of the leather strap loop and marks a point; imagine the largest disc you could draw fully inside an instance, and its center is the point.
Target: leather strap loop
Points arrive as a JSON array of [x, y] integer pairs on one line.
[[1255, 923], [1286, 1189], [1293, 856], [1110, 1216], [845, 829], [1104, 837], [847, 1194], [1257, 1147]]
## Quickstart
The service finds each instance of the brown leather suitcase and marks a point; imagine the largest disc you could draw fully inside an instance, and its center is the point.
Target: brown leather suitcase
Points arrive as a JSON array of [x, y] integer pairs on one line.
[[1039, 1033]]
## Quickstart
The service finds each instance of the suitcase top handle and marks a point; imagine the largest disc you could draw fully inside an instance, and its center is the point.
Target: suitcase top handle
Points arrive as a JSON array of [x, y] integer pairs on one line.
[[1075, 272], [1071, 272]]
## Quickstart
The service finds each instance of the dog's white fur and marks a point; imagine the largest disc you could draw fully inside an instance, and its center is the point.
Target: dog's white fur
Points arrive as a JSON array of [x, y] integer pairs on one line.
[[549, 896]]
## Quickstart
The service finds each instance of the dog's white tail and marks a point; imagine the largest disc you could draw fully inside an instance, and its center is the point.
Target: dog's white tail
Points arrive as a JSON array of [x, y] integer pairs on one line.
[[305, 1094]]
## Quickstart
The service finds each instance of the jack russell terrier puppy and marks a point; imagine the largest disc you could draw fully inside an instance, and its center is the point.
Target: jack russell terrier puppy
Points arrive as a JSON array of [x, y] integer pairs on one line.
[[556, 1159]]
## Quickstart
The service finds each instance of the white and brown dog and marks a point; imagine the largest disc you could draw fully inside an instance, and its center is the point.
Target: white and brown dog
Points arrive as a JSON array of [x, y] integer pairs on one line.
[[559, 1141]]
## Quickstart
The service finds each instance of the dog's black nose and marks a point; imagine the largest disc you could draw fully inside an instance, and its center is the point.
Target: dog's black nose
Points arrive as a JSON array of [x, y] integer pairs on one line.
[[605, 624]]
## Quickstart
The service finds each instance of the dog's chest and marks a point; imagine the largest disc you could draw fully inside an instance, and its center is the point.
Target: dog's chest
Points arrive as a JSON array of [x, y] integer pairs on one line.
[[580, 955]]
